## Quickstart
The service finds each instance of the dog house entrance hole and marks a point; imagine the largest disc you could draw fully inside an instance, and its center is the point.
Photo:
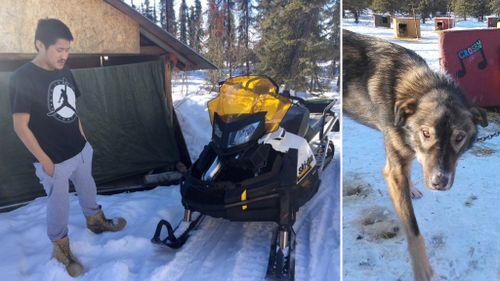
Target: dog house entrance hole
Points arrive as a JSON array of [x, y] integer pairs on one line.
[[403, 28]]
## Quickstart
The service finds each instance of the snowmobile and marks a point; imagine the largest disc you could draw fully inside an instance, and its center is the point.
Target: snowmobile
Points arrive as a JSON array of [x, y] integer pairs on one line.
[[263, 163]]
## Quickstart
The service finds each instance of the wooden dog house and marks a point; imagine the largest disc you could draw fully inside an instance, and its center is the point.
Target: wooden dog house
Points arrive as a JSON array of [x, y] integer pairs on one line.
[[493, 21], [382, 20], [443, 23], [406, 28]]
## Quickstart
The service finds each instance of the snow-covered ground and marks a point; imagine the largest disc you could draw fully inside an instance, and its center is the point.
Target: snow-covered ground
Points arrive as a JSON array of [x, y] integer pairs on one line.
[[460, 227], [218, 250]]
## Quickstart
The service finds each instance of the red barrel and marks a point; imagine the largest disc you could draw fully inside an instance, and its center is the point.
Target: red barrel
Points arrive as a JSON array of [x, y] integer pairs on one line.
[[472, 58]]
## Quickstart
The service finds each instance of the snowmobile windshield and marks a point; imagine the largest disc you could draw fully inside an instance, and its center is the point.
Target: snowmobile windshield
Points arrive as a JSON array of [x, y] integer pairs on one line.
[[243, 95]]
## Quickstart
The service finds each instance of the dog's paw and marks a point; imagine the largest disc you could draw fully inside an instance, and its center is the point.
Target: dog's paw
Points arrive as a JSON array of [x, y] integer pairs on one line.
[[378, 224], [415, 192], [424, 272], [421, 267], [432, 278], [427, 278]]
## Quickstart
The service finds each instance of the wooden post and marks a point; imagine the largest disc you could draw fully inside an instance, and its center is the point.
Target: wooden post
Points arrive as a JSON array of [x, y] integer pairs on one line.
[[170, 61]]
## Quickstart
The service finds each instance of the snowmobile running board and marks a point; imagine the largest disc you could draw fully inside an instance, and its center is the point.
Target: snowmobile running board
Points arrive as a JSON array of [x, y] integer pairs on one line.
[[172, 241]]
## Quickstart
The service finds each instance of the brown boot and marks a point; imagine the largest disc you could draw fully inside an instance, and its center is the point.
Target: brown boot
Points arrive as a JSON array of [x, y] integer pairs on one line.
[[99, 223], [62, 253]]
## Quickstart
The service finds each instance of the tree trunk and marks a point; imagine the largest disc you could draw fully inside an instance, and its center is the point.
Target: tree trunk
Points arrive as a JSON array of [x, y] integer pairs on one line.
[[247, 38], [294, 65]]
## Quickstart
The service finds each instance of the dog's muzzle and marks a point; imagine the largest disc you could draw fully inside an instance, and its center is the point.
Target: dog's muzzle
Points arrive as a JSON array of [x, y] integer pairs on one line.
[[440, 180]]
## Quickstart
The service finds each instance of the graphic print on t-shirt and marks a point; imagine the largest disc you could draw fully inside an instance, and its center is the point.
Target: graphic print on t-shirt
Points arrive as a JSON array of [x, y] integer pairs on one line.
[[61, 101]]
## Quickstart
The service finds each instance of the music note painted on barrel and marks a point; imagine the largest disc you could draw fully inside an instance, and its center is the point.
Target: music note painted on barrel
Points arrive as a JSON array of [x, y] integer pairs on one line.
[[468, 52]]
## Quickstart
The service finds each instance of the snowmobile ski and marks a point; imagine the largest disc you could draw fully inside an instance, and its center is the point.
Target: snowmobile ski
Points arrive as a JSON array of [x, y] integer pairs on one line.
[[184, 227], [281, 264]]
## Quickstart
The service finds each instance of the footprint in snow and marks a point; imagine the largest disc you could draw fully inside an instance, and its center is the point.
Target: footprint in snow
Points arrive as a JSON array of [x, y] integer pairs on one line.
[[378, 223], [470, 201], [353, 187], [438, 241]]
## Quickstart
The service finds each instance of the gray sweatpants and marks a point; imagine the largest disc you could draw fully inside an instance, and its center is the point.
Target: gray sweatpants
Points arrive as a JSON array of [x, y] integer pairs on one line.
[[78, 169]]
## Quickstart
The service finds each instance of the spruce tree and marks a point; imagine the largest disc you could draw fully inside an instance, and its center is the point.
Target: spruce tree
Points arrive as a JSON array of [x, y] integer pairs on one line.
[[424, 7], [386, 6], [147, 10], [198, 26], [461, 7], [495, 6], [479, 9], [190, 27], [229, 34], [332, 26], [264, 8], [356, 7], [246, 21], [183, 21], [215, 35], [292, 43], [167, 16], [440, 7], [163, 14], [155, 18]]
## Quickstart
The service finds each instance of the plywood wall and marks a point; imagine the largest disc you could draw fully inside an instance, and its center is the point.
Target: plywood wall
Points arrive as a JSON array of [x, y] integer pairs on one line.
[[97, 27], [412, 27]]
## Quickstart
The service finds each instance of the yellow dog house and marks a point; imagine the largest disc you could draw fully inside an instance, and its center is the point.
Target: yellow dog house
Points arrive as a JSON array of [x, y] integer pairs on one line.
[[406, 28]]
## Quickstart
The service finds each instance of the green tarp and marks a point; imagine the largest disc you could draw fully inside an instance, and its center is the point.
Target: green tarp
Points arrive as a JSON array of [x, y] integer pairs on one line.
[[124, 115]]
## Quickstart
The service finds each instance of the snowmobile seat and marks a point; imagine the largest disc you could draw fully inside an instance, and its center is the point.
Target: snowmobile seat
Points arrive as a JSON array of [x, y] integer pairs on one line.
[[296, 120], [315, 125], [317, 105]]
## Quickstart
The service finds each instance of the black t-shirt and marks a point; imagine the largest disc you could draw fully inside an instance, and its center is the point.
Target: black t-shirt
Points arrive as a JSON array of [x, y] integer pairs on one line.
[[50, 99]]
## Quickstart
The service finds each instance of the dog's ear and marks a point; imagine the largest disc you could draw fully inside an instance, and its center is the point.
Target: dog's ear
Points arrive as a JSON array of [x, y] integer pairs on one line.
[[403, 109], [479, 116]]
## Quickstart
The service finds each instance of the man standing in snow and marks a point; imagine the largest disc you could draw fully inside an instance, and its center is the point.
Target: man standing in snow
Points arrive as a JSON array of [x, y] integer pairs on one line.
[[43, 96]]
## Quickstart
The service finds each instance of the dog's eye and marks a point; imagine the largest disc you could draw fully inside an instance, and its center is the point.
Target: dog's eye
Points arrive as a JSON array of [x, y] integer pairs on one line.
[[426, 134], [459, 138]]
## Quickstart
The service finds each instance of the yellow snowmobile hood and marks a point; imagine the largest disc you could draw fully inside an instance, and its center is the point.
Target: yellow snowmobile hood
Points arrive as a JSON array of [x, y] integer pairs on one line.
[[244, 95]]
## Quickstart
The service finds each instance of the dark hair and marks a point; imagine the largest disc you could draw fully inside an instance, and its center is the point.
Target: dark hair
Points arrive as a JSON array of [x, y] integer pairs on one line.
[[48, 31]]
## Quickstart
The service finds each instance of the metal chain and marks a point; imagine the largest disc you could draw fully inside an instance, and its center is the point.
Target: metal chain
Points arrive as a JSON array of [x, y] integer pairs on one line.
[[488, 137]]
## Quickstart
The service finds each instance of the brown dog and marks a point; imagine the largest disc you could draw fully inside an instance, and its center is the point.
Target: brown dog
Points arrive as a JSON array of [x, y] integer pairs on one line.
[[421, 113]]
